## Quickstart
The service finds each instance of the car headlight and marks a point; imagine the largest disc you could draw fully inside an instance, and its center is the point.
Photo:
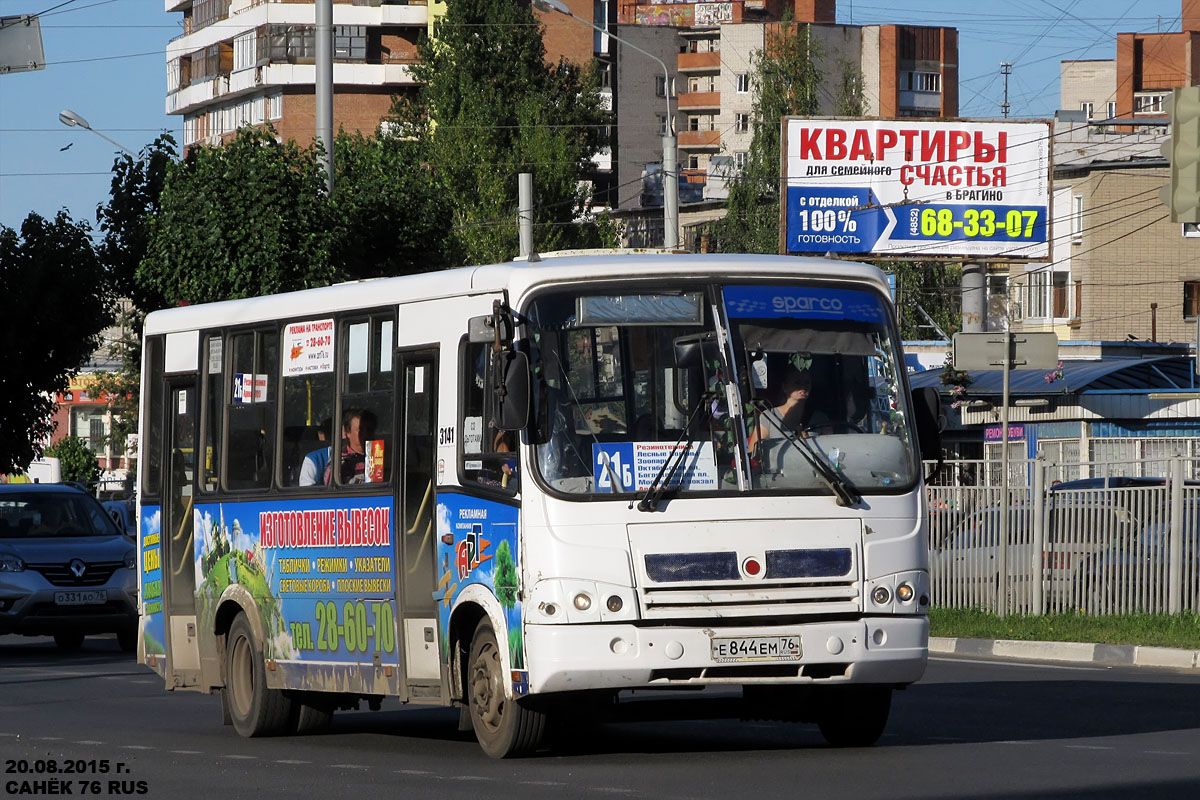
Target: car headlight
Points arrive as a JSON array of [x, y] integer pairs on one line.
[[11, 563], [131, 560]]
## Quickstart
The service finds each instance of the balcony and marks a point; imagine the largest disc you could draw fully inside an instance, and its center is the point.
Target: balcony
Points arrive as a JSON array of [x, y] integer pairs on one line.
[[699, 140], [699, 62], [699, 100], [276, 76]]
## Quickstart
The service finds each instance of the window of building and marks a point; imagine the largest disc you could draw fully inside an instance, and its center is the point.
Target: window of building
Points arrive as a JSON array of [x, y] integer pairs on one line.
[[487, 456], [1191, 299], [660, 86], [739, 159], [350, 43], [1112, 109], [660, 124], [741, 123], [253, 387], [1060, 295], [275, 103], [1149, 103], [701, 122], [1038, 306], [742, 82], [924, 82], [604, 74], [693, 162], [1086, 108], [1077, 218]]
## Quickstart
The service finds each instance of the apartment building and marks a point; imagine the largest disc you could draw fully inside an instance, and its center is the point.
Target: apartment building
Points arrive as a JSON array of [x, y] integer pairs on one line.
[[247, 62], [710, 51]]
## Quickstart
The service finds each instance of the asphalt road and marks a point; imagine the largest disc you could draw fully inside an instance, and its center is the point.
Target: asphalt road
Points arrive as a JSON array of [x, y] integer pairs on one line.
[[980, 729]]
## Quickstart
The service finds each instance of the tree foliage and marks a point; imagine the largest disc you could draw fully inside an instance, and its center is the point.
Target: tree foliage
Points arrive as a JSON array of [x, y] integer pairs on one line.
[[54, 305], [935, 287], [786, 83], [489, 109], [245, 219], [77, 461], [506, 576]]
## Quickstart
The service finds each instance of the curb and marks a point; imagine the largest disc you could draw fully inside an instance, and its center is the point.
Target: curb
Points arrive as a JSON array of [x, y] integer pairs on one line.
[[1113, 655]]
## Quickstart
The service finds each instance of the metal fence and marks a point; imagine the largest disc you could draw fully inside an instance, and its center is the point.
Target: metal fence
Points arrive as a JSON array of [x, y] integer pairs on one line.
[[1104, 545]]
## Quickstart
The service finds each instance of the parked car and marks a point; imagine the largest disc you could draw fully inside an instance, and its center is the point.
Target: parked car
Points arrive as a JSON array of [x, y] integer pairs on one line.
[[124, 514], [66, 569]]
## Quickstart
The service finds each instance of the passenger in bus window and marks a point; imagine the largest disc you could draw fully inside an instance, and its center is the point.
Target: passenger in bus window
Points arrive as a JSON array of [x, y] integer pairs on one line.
[[358, 426], [793, 414], [314, 468], [504, 443]]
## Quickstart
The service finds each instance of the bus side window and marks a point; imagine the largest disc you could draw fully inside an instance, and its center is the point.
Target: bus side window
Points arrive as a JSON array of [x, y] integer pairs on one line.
[[362, 444], [487, 457], [250, 420], [214, 406]]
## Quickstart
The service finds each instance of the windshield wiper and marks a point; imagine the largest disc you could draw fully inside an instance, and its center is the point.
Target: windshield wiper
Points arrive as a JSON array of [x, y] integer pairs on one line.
[[656, 489], [826, 471]]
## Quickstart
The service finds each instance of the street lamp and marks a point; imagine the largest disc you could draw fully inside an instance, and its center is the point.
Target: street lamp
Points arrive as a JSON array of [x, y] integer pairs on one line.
[[670, 172], [71, 120]]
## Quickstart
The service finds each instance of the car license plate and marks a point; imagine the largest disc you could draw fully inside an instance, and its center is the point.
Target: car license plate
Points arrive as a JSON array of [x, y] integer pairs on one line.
[[89, 597], [756, 648]]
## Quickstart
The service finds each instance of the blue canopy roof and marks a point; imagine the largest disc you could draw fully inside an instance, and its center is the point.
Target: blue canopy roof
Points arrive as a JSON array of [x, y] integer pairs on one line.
[[1160, 373]]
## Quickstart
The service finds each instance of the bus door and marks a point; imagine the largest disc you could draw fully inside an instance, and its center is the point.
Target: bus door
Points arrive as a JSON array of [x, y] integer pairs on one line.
[[178, 547], [416, 506]]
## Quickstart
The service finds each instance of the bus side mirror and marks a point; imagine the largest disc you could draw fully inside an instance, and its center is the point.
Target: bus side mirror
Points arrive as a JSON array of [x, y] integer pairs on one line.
[[927, 414], [512, 390], [481, 329]]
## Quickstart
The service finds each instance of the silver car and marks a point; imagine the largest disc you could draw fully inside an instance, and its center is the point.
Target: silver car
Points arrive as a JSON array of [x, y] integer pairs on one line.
[[66, 569]]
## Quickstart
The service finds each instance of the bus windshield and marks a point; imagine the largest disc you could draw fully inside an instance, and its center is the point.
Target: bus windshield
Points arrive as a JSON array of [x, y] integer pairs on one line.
[[792, 388]]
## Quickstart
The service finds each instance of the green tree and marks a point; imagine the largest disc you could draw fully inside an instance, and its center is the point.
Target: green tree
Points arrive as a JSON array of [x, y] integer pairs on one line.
[[54, 304], [935, 287], [76, 460], [245, 219], [125, 222], [786, 83], [489, 109], [390, 216]]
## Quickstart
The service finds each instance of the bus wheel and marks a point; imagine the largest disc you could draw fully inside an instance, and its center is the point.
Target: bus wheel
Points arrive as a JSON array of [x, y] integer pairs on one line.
[[254, 709], [505, 728], [854, 716]]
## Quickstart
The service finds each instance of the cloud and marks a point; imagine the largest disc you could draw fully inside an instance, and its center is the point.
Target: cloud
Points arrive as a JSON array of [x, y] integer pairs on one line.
[[443, 519]]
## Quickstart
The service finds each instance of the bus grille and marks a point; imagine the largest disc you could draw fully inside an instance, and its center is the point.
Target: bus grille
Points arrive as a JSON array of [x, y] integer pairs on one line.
[[751, 599]]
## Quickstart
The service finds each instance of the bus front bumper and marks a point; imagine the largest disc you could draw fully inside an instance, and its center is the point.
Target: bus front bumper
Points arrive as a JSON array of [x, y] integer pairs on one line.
[[876, 650]]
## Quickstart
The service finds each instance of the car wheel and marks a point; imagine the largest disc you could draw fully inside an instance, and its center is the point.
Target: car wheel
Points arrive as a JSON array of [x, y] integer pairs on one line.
[[504, 727], [68, 641], [254, 709], [127, 638], [854, 716]]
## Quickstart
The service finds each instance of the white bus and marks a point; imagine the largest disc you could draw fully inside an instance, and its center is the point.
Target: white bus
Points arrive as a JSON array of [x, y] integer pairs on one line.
[[527, 488]]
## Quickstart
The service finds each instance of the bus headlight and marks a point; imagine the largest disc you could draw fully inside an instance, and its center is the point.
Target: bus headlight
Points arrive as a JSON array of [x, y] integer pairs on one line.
[[904, 593], [615, 603], [881, 596], [582, 601]]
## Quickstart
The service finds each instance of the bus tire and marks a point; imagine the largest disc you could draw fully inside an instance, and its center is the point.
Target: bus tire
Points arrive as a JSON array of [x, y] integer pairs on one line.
[[311, 719], [254, 709], [854, 716], [505, 728]]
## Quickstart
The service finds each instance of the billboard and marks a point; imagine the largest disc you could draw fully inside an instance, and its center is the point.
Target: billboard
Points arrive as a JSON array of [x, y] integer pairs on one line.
[[899, 187]]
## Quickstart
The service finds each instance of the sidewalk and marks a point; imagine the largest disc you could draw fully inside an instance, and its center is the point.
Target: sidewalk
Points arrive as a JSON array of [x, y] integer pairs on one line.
[[1112, 655]]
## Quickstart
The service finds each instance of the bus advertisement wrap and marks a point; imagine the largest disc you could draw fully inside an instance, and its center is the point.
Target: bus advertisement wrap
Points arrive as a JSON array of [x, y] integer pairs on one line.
[[929, 189], [321, 571], [150, 558], [478, 545]]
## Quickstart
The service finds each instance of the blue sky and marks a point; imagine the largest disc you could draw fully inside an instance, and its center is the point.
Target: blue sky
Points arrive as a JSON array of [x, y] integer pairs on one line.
[[105, 62]]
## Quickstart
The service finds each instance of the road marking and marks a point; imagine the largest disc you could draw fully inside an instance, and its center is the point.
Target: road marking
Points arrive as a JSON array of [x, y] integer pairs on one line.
[[413, 772], [50, 738], [470, 778], [17, 735], [188, 752], [136, 747], [348, 766], [542, 783], [1165, 753], [613, 790], [1088, 747], [292, 761], [242, 757], [89, 741], [1015, 741]]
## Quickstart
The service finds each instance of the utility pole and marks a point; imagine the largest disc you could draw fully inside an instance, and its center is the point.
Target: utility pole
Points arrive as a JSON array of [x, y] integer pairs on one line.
[[1005, 70]]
